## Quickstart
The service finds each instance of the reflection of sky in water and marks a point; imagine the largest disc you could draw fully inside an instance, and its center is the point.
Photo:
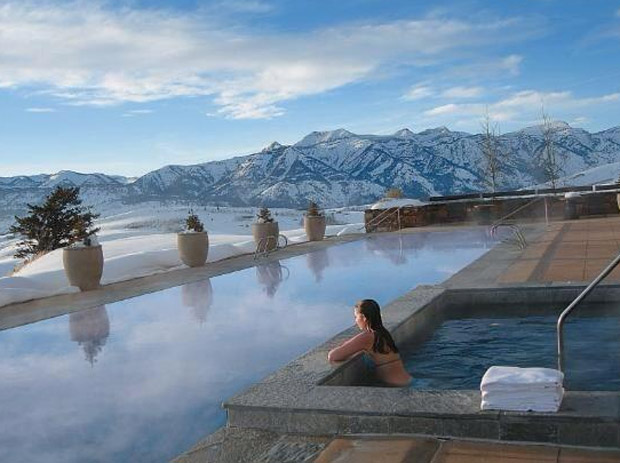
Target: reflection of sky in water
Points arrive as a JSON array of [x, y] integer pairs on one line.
[[143, 379]]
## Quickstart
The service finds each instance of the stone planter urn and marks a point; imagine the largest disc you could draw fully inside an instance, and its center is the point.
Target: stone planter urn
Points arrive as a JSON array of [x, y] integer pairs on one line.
[[83, 266], [266, 235], [315, 227], [193, 247]]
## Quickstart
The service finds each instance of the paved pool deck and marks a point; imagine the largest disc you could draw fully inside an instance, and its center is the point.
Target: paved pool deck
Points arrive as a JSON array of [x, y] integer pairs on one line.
[[560, 255], [575, 251]]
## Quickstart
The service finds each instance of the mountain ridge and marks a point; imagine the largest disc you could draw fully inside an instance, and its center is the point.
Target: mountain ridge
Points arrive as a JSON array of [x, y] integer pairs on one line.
[[338, 167]]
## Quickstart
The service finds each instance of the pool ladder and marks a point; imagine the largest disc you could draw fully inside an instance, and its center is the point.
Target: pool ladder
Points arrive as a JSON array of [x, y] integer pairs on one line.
[[383, 216], [269, 244], [518, 237], [560, 335]]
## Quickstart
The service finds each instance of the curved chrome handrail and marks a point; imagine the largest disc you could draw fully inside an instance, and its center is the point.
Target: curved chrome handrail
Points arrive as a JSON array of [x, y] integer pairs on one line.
[[263, 248], [383, 216], [519, 237], [575, 303]]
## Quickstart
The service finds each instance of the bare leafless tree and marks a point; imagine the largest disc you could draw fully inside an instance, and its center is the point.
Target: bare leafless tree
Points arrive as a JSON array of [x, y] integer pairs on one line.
[[549, 158], [492, 153]]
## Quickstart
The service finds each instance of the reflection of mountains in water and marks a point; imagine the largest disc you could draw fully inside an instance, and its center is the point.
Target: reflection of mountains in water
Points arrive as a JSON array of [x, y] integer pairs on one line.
[[198, 296], [270, 275], [90, 329], [318, 261]]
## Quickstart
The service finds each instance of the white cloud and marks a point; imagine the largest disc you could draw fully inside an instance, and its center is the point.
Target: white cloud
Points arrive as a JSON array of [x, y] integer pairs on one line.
[[523, 107], [98, 56], [137, 112], [40, 110], [418, 92], [449, 108], [243, 6], [507, 65], [511, 64], [462, 92]]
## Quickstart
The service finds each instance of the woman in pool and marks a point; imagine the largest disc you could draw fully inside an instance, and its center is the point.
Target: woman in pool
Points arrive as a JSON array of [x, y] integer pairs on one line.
[[377, 342]]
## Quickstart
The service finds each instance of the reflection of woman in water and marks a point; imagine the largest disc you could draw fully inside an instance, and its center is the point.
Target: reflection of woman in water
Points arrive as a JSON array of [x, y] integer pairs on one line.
[[377, 342]]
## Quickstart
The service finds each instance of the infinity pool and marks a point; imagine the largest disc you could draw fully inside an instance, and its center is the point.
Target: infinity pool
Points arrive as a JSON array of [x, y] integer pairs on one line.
[[142, 380]]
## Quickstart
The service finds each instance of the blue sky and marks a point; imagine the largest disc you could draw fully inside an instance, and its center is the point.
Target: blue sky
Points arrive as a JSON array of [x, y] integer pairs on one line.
[[125, 87]]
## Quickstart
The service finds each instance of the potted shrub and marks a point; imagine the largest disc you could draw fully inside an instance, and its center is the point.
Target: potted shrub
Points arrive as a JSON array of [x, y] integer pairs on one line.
[[83, 259], [265, 230], [193, 242], [62, 222], [314, 223]]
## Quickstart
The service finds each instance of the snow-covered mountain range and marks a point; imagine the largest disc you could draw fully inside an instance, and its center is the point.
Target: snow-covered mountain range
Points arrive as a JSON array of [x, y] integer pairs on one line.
[[335, 168]]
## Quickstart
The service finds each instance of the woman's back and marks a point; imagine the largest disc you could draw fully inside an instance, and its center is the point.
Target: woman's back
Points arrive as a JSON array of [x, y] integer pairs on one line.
[[390, 368]]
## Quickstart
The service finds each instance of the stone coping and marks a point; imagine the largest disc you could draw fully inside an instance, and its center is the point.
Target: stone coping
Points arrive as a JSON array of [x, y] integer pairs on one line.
[[299, 398]]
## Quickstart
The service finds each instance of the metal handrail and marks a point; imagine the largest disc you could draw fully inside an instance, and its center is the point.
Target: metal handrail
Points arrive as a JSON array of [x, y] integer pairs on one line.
[[263, 248], [519, 237], [385, 215], [575, 303], [520, 208]]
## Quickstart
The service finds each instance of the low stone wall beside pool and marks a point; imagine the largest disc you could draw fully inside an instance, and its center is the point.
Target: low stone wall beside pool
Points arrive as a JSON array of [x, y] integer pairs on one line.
[[487, 210]]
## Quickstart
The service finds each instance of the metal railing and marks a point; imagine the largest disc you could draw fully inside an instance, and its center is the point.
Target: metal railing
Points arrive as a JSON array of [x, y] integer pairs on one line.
[[386, 214], [269, 244], [517, 234], [575, 303]]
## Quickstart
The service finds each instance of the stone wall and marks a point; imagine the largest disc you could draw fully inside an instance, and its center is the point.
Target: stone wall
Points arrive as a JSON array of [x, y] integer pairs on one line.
[[489, 210]]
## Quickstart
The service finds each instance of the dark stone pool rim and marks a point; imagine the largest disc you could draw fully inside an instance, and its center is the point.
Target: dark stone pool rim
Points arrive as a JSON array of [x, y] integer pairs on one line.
[[307, 396]]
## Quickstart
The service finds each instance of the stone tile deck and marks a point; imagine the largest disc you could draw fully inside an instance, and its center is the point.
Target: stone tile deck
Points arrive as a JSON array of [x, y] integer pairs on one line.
[[572, 251], [429, 450]]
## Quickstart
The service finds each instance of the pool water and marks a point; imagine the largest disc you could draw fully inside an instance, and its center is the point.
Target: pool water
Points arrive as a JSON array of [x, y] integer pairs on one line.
[[142, 380], [461, 350]]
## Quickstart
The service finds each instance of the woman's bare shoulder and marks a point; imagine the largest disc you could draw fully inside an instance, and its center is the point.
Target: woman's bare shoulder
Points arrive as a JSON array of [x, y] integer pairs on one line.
[[366, 337]]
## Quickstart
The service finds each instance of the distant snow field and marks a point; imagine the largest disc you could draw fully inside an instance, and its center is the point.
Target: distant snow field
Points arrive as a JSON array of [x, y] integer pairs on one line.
[[141, 241]]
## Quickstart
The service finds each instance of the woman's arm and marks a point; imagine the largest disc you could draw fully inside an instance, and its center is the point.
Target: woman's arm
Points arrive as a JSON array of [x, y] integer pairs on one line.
[[359, 343]]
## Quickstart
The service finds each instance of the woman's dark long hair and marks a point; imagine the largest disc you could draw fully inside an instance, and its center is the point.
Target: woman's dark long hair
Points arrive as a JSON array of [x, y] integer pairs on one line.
[[384, 343]]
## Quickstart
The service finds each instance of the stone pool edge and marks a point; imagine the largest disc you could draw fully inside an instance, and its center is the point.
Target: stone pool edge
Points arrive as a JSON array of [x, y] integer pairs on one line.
[[294, 400]]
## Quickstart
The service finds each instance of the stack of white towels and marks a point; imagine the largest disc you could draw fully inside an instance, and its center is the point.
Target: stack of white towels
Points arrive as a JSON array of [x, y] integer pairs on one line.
[[522, 389]]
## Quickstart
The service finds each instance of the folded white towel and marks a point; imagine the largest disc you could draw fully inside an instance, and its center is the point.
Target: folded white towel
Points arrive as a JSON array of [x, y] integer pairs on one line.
[[549, 402], [550, 393], [519, 378]]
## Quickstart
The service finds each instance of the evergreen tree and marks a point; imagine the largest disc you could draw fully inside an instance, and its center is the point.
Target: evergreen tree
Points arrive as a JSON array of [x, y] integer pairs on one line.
[[60, 221]]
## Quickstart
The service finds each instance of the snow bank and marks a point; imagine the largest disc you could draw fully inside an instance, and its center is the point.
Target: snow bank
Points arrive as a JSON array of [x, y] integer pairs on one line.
[[386, 203], [126, 258]]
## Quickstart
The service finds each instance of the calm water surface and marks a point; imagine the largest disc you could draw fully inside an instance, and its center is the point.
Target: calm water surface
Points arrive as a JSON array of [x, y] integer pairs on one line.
[[460, 351], [142, 380]]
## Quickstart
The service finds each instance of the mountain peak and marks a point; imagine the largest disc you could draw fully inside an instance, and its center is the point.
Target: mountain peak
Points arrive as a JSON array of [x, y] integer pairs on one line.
[[436, 131], [538, 129], [404, 133], [315, 138], [273, 146]]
